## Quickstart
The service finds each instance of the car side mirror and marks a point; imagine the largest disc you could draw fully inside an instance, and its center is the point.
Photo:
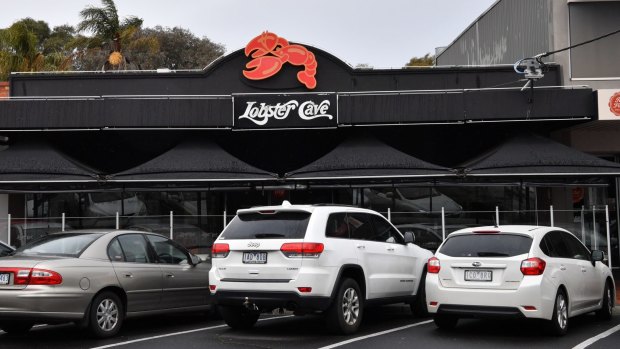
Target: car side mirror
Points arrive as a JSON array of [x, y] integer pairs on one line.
[[409, 237], [195, 260], [597, 256]]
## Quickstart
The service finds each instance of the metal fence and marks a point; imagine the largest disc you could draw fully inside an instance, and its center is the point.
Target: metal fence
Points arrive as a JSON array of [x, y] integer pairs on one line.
[[197, 232]]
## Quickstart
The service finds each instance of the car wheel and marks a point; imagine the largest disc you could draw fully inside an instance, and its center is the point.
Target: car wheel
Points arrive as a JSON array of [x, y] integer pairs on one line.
[[558, 324], [106, 315], [445, 322], [607, 304], [345, 314], [418, 307], [16, 327], [238, 318]]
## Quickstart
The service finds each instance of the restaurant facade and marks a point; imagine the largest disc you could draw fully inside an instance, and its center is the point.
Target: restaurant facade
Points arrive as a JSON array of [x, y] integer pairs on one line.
[[434, 149]]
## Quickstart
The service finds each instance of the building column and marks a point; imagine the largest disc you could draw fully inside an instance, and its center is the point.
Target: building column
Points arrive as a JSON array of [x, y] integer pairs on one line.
[[4, 212]]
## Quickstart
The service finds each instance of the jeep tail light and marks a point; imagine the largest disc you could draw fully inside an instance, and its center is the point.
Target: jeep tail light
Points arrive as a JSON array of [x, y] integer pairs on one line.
[[302, 249], [433, 266], [220, 251], [22, 276], [533, 266]]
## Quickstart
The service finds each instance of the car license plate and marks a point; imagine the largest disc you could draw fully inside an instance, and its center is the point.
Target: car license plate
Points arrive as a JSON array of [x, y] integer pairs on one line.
[[255, 257], [478, 275], [4, 278]]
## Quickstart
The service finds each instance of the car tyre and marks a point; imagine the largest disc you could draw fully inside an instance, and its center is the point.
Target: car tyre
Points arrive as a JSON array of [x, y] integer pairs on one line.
[[17, 327], [345, 313], [238, 318], [445, 322], [418, 307], [558, 325], [607, 304], [106, 315]]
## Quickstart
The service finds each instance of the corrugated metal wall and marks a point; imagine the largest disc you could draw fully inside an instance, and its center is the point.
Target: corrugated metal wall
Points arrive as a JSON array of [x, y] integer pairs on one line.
[[509, 31]]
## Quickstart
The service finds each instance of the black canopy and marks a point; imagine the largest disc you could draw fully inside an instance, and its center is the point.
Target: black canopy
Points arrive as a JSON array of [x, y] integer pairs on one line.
[[534, 155], [366, 158], [37, 162], [194, 161]]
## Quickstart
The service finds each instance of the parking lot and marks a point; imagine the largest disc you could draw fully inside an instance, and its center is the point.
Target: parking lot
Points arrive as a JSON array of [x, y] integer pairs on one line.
[[388, 326]]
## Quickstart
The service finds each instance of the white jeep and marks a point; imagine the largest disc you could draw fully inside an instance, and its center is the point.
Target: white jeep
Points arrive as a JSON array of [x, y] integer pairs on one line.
[[328, 259]]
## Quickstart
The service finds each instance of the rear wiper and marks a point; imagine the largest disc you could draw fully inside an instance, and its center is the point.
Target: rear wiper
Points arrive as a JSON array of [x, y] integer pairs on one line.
[[268, 235], [492, 254]]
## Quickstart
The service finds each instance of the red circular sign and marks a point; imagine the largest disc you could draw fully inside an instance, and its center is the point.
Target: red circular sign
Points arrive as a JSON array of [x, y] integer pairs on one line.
[[614, 104]]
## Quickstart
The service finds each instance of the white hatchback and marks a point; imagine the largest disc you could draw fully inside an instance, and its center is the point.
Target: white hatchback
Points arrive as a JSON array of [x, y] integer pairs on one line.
[[517, 271]]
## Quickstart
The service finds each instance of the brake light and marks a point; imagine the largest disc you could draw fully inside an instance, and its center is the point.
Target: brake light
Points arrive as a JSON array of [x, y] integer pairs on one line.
[[533, 266], [212, 288], [305, 289], [486, 232], [302, 249], [34, 276], [220, 251], [433, 266]]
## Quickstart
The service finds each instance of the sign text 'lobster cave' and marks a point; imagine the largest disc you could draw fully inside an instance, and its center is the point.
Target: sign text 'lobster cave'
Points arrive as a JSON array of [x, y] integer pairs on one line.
[[262, 111]]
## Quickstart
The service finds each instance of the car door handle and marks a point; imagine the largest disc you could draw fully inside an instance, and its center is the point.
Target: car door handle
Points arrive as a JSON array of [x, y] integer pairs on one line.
[[129, 275], [169, 275], [583, 270], [361, 247], [391, 249], [562, 267]]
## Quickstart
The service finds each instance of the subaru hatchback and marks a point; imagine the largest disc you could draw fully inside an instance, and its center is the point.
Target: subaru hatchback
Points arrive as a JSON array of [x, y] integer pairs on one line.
[[519, 272]]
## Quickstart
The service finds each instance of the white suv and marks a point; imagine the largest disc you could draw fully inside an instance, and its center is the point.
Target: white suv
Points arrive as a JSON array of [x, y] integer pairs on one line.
[[517, 271], [325, 259]]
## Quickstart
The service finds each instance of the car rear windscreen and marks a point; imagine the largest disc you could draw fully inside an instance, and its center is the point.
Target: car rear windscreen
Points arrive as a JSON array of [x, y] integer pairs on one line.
[[65, 245], [486, 245], [272, 225]]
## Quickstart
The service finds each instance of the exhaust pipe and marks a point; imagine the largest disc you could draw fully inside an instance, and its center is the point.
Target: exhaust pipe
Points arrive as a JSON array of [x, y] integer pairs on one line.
[[249, 305]]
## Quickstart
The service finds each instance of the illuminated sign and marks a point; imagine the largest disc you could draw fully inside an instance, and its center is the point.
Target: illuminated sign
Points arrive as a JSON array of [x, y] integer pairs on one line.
[[270, 52]]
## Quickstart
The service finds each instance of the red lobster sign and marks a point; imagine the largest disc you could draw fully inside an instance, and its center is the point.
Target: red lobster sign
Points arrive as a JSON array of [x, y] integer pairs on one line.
[[270, 52]]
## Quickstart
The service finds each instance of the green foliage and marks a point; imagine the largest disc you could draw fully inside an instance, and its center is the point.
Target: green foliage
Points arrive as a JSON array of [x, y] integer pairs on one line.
[[425, 61]]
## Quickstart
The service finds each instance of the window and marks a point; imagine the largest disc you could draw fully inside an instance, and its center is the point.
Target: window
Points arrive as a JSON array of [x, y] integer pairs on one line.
[[115, 252], [337, 226], [65, 245], [557, 245], [578, 251], [360, 226], [385, 232], [486, 245], [271, 225], [134, 248], [167, 251]]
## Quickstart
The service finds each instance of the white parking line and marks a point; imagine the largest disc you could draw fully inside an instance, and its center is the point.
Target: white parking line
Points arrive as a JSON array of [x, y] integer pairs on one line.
[[176, 334], [352, 340], [589, 341]]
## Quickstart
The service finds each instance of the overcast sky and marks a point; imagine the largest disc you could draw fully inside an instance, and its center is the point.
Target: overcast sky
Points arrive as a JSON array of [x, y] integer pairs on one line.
[[381, 33]]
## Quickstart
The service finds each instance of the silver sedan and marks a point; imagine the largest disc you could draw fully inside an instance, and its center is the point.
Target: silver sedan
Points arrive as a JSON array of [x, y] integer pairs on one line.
[[97, 279]]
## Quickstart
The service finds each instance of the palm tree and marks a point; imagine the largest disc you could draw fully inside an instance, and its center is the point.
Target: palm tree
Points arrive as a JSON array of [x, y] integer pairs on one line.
[[18, 50], [107, 29]]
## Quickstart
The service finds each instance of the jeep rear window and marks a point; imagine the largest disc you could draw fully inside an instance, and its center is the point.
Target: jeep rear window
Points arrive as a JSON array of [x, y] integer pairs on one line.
[[278, 225], [486, 245]]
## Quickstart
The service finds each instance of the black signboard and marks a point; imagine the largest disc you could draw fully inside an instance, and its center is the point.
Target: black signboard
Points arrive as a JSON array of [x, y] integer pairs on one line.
[[272, 111]]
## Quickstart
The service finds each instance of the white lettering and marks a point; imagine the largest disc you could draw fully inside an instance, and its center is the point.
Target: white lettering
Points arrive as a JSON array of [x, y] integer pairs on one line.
[[261, 113]]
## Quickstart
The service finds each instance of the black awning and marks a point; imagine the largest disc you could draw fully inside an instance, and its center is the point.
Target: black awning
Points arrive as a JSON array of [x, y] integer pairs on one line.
[[367, 158], [534, 155], [194, 161], [38, 162]]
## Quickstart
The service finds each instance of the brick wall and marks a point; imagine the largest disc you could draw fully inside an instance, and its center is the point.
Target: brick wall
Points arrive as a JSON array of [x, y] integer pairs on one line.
[[4, 89]]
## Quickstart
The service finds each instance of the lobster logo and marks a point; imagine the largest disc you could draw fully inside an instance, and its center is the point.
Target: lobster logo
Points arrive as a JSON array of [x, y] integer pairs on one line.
[[270, 52]]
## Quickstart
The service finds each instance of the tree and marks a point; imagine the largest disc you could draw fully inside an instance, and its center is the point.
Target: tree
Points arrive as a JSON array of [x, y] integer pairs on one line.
[[109, 32], [18, 50], [178, 48], [425, 61]]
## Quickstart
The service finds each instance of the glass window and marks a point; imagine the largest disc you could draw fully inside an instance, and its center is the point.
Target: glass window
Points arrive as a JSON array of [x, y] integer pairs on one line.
[[268, 225], [360, 226], [385, 232], [486, 245], [557, 245], [4, 250], [134, 248], [167, 251], [578, 251], [337, 226], [115, 252], [66, 245]]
